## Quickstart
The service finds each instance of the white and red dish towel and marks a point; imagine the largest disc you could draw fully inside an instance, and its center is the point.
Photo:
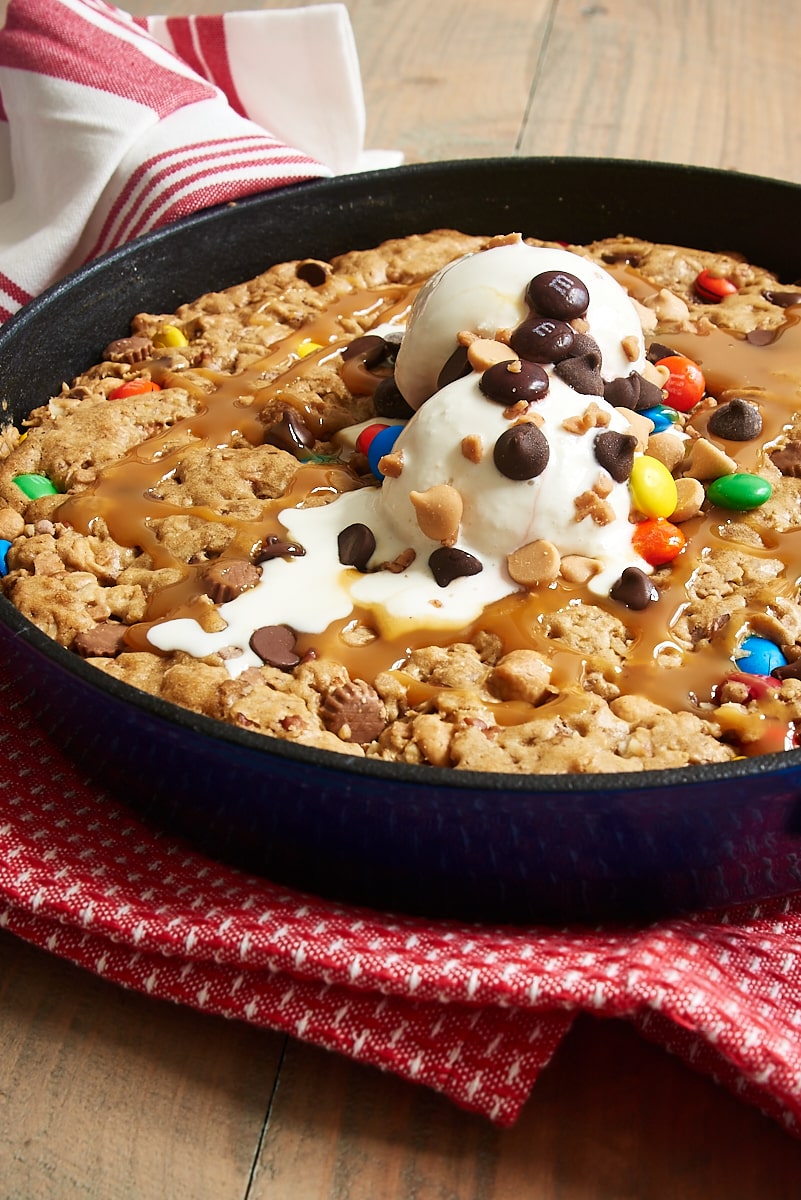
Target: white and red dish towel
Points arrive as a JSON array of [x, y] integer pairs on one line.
[[113, 126]]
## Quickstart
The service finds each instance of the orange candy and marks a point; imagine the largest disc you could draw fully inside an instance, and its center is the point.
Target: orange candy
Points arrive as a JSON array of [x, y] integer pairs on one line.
[[133, 387], [685, 385], [658, 541], [713, 288]]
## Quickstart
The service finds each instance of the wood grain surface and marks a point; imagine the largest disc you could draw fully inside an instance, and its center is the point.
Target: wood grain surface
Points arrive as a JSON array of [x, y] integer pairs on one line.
[[108, 1095]]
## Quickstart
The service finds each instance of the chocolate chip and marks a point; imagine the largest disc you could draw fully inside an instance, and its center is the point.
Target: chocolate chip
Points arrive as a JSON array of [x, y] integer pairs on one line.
[[388, 401], [736, 421], [129, 350], [290, 434], [783, 299], [610, 257], [542, 339], [508, 382], [447, 563], [312, 272], [276, 547], [226, 578], [275, 645], [761, 337], [457, 367], [356, 546], [791, 670], [581, 374], [558, 294], [632, 391], [522, 452], [634, 589], [354, 712], [585, 346], [615, 453], [370, 348], [788, 460], [104, 640], [656, 351]]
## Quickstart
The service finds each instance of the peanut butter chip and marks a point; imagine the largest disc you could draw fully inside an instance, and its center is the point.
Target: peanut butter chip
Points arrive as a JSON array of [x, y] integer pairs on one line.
[[486, 352], [667, 448], [439, 512], [472, 448], [709, 462], [642, 427], [575, 568], [534, 564], [690, 496]]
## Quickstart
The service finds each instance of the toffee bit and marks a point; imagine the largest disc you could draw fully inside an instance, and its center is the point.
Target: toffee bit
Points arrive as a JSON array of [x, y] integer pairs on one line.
[[590, 504]]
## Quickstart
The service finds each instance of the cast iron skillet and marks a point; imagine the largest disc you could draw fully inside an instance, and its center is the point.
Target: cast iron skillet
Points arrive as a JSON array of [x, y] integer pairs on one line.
[[422, 840]]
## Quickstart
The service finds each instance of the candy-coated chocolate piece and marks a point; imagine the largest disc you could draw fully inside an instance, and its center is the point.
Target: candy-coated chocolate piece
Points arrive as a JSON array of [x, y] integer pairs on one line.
[[757, 685], [367, 434], [713, 288], [34, 486], [739, 492], [759, 656], [685, 384], [170, 336], [660, 419], [5, 546], [382, 444], [133, 387], [308, 347], [653, 488], [658, 541]]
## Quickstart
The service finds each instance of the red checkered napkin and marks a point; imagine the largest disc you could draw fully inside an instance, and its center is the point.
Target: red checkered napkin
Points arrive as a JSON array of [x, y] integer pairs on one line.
[[111, 126], [474, 1012]]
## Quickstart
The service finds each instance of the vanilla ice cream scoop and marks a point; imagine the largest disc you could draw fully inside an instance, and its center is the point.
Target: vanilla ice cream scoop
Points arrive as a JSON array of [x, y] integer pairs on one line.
[[513, 466]]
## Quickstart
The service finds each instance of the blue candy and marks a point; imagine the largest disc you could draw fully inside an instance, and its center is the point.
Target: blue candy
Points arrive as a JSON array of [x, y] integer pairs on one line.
[[4, 549], [662, 416], [760, 656], [382, 444]]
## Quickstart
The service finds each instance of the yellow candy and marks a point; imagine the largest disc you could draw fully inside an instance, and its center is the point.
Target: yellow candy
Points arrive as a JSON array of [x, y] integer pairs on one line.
[[653, 488], [307, 347], [170, 335]]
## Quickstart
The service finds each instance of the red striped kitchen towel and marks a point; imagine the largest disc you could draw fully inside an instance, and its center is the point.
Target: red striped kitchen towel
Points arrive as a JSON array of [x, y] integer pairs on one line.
[[111, 126]]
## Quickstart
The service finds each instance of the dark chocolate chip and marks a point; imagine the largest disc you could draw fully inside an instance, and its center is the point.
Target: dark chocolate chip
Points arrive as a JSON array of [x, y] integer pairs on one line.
[[457, 367], [226, 578], [761, 337], [542, 339], [290, 433], [388, 401], [585, 346], [522, 452], [581, 374], [356, 546], [370, 348], [275, 645], [312, 272], [790, 670], [508, 382], [788, 460], [615, 453], [354, 711], [276, 547], [447, 563], [632, 391], [610, 257], [104, 640], [558, 294], [656, 351], [783, 299], [634, 589], [736, 421]]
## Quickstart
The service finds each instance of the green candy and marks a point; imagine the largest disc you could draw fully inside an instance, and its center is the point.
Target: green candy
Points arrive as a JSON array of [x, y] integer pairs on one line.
[[740, 492], [34, 486]]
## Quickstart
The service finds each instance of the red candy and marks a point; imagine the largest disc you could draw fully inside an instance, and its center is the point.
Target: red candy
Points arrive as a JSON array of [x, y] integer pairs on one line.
[[758, 686], [133, 387], [712, 288], [658, 541], [685, 385], [366, 436]]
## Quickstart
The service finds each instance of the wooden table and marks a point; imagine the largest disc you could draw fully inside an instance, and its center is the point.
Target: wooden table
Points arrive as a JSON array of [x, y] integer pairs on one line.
[[106, 1095]]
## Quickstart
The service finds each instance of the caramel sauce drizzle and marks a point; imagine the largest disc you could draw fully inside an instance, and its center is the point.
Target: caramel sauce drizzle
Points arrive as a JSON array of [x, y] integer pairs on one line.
[[125, 497]]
